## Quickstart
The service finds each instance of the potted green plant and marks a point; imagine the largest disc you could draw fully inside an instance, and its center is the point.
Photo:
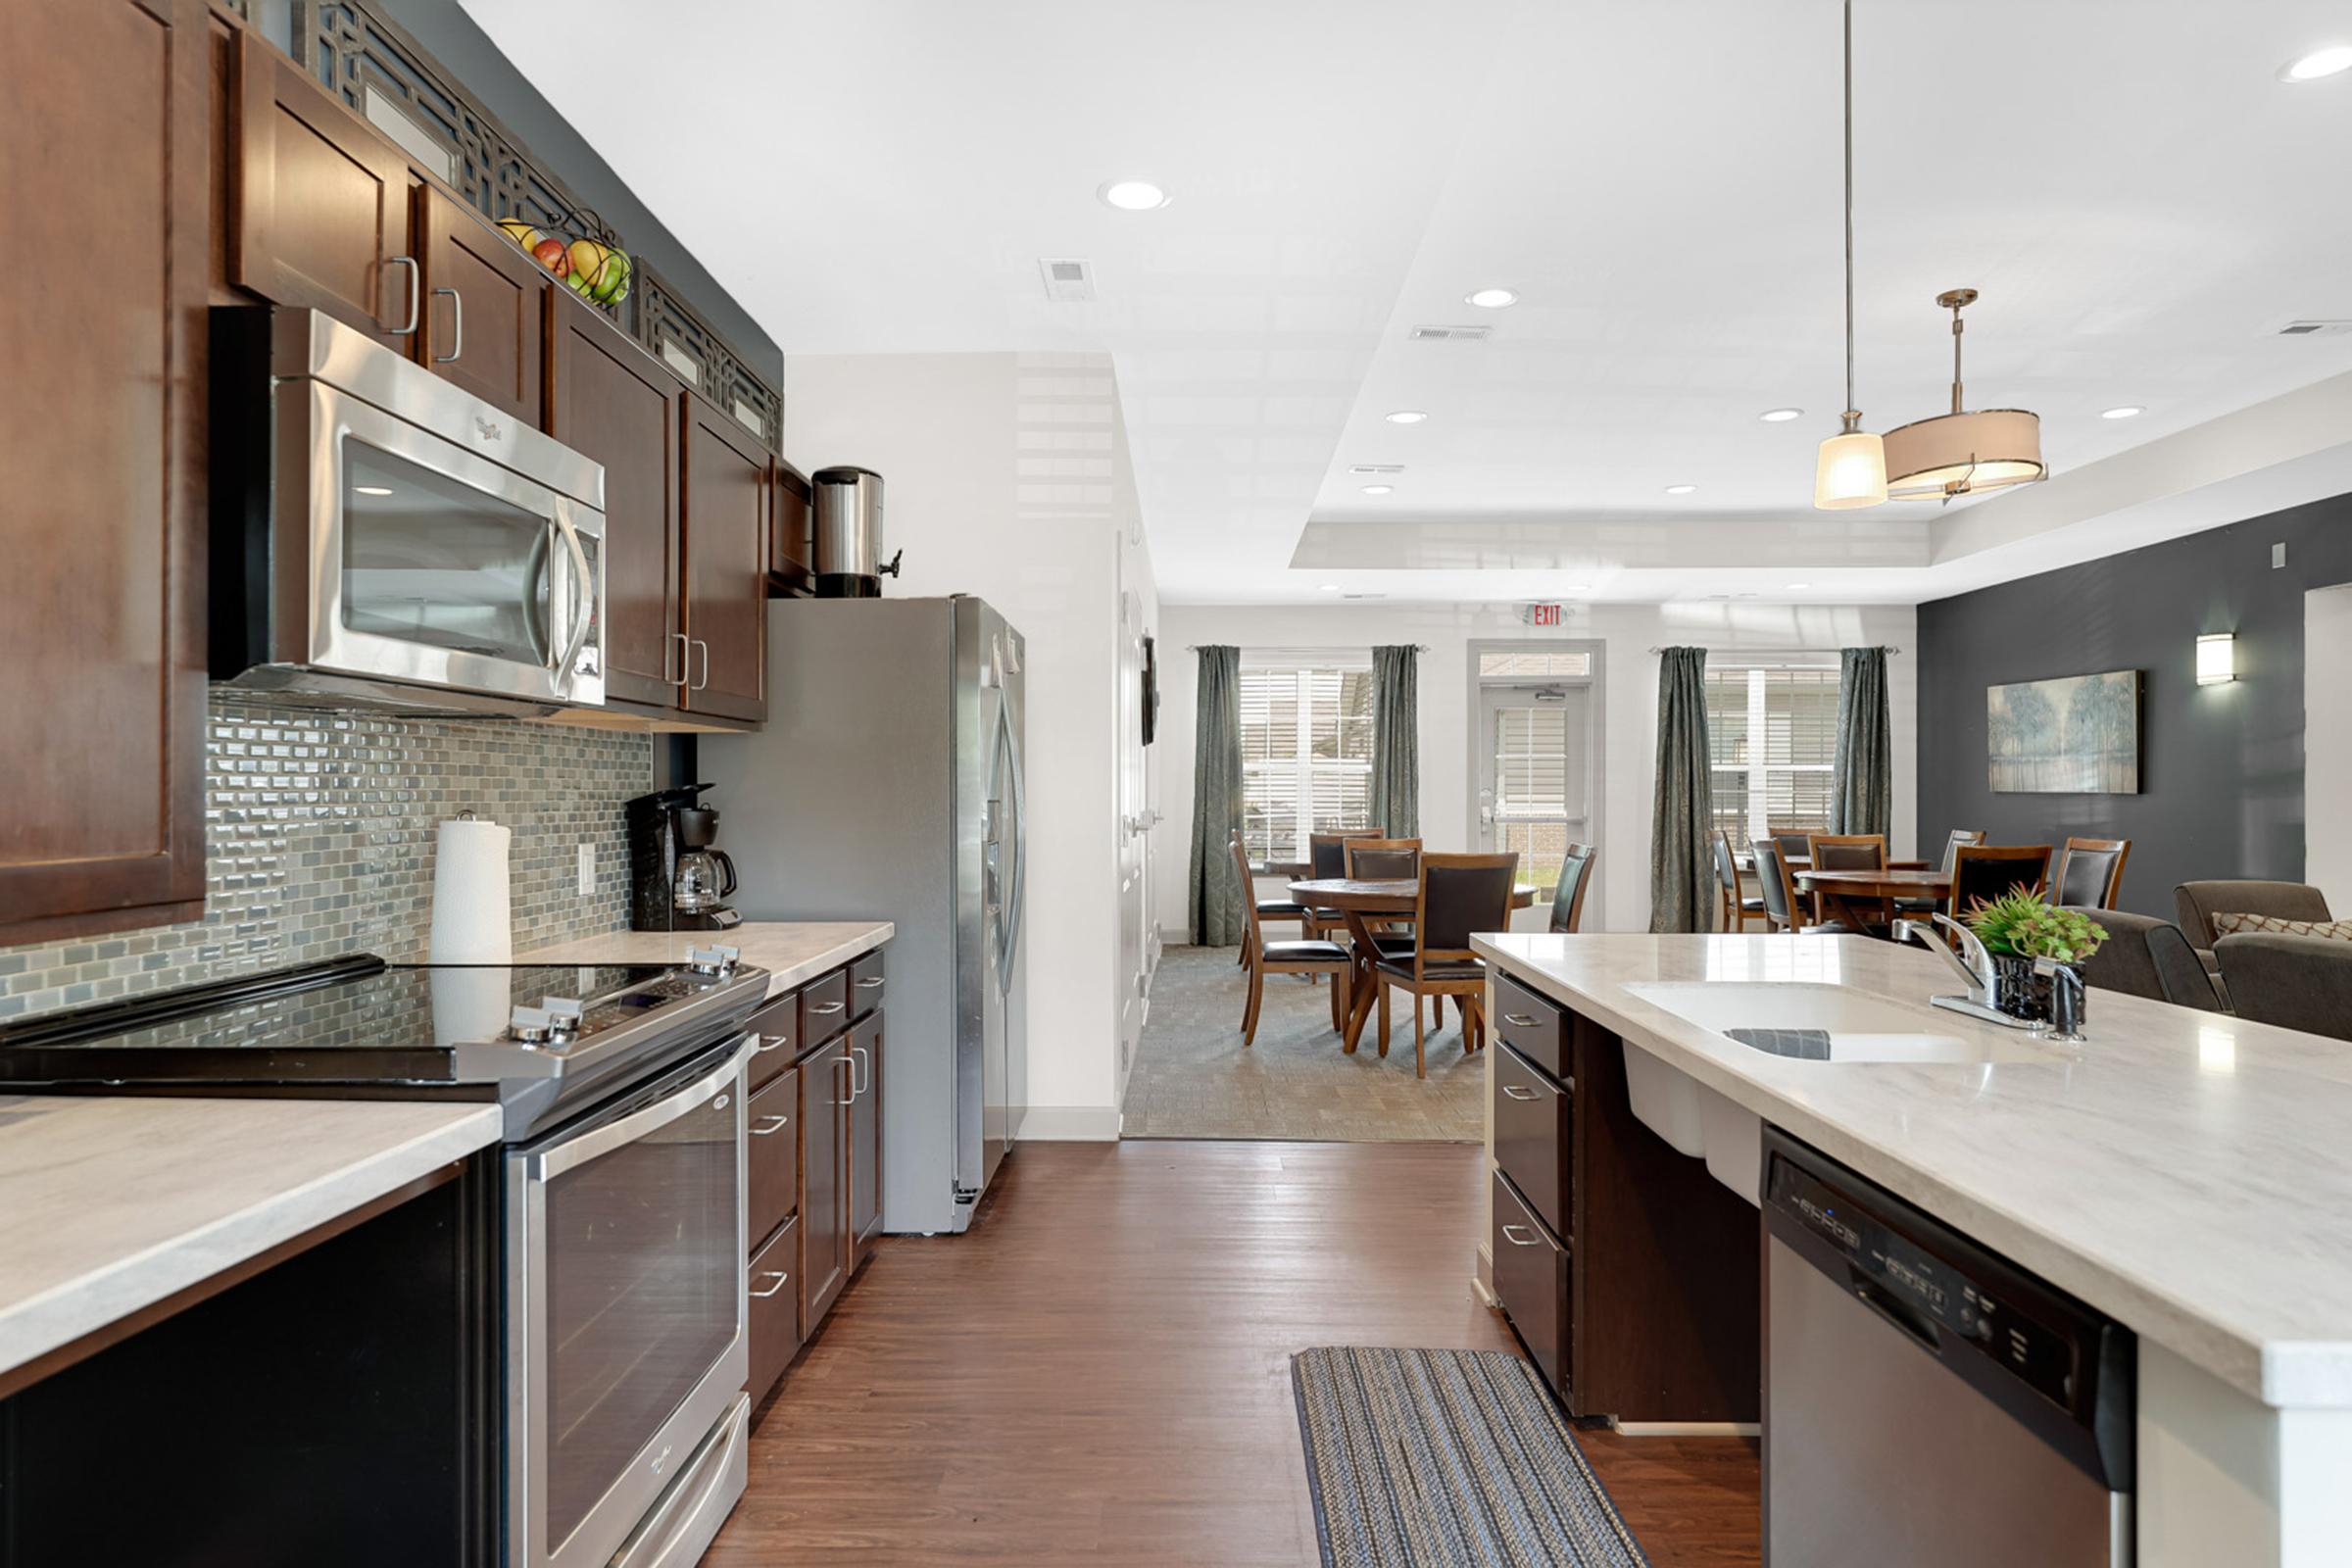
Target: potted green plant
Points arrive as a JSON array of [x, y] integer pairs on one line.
[[2021, 926]]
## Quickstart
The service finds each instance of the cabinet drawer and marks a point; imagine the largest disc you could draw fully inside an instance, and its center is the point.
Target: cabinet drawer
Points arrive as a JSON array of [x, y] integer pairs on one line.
[[1532, 1134], [865, 984], [1531, 1279], [775, 1309], [1537, 1027], [824, 1008], [773, 1157], [778, 1026]]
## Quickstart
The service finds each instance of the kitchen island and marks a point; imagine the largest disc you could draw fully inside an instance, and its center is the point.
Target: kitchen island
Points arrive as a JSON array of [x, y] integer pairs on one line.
[[2184, 1173]]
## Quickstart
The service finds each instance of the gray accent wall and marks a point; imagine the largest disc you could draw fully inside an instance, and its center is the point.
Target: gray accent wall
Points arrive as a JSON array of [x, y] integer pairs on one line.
[[2221, 786], [452, 37]]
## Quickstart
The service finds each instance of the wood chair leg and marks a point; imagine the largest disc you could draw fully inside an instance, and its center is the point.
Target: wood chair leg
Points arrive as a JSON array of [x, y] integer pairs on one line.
[[1420, 1044], [1339, 999], [1257, 992], [1384, 1018]]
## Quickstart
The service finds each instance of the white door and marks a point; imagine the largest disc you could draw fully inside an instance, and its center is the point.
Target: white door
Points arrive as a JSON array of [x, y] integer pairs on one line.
[[1535, 793], [1137, 950]]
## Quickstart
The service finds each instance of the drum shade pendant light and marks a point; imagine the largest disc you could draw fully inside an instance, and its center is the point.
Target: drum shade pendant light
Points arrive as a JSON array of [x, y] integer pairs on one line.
[[1961, 452], [1851, 469]]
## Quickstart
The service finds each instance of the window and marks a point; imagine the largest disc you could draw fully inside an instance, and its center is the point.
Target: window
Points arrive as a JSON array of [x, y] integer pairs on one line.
[[1306, 753], [1772, 736]]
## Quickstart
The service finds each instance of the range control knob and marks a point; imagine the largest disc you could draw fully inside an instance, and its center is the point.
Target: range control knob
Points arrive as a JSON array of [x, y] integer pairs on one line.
[[563, 1015], [530, 1026], [714, 961]]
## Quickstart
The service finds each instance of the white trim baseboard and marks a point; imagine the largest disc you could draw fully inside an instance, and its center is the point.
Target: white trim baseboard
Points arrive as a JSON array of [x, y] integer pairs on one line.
[[1069, 1124]]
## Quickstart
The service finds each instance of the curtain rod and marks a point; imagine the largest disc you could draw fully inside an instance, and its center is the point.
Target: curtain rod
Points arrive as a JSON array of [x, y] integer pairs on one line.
[[1734, 647], [1418, 648]]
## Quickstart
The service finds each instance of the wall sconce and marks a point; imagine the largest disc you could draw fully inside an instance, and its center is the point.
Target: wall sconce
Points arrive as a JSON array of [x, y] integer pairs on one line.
[[2217, 658]]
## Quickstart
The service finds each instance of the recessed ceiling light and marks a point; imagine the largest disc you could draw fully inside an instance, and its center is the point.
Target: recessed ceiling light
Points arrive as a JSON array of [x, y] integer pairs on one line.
[[1331, 587], [1407, 416], [2124, 413], [1799, 587], [1781, 416], [1680, 489], [1380, 489], [2334, 59], [1490, 299], [373, 489], [1132, 195]]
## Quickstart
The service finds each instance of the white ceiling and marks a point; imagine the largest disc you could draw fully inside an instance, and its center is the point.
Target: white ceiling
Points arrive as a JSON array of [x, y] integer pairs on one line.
[[2141, 201]]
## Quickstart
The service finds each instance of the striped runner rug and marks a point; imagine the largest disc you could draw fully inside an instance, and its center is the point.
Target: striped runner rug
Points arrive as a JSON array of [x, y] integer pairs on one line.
[[1448, 1459]]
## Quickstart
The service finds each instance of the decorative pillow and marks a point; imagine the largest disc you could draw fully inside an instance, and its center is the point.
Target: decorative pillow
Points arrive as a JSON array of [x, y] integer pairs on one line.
[[2229, 924]]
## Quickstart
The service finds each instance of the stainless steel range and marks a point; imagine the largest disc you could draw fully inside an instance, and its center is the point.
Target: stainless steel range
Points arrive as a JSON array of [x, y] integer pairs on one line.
[[624, 1087]]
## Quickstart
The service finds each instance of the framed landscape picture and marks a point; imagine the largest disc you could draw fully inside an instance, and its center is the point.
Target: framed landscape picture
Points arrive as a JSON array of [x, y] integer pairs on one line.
[[2078, 735]]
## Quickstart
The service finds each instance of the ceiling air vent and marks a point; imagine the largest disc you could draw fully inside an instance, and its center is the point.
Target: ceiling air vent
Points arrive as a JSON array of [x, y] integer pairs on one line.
[[2315, 328], [1376, 467], [1069, 281], [1363, 596], [1450, 334]]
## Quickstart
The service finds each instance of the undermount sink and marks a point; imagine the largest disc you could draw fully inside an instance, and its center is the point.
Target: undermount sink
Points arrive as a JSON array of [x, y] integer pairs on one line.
[[1798, 1021]]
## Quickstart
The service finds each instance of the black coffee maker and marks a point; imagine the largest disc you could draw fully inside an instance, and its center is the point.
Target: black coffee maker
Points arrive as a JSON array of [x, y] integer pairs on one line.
[[677, 882]]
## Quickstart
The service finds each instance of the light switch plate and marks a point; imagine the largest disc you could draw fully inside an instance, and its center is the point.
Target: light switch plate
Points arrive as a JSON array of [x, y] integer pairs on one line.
[[2277, 555], [587, 869]]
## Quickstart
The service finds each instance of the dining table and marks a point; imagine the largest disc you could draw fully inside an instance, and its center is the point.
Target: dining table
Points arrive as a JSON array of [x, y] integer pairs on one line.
[[1860, 898], [1362, 903]]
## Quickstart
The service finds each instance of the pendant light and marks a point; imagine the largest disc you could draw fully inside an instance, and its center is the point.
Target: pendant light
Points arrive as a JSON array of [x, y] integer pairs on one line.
[[1961, 452], [1851, 469]]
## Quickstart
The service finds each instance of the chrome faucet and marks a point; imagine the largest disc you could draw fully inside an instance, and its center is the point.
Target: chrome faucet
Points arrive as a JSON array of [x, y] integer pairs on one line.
[[1969, 961], [2066, 1000]]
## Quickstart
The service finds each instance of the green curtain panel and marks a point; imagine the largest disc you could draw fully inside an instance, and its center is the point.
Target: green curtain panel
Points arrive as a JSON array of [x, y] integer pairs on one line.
[[1681, 877], [1862, 789], [1219, 917], [1396, 740]]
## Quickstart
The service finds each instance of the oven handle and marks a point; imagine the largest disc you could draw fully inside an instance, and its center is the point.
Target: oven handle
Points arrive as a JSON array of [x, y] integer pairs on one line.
[[583, 600], [598, 1142]]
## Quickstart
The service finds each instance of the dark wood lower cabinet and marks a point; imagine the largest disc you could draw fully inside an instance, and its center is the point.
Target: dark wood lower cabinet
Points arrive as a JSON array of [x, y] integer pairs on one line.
[[1531, 1279], [824, 1088], [776, 1307], [772, 1163], [865, 1139]]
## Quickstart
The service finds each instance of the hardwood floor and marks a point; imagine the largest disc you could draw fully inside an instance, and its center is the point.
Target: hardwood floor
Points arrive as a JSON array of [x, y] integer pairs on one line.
[[1099, 1372]]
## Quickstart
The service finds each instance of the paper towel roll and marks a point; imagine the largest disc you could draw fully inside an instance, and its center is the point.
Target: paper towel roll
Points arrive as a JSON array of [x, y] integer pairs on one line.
[[472, 919]]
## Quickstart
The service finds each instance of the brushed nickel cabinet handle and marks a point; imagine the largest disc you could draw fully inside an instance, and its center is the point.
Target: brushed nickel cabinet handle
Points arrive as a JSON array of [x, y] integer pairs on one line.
[[697, 642], [868, 985], [1518, 1020], [1513, 1234], [457, 327], [769, 1043], [827, 1010], [685, 659], [415, 293], [781, 1280], [770, 1126], [861, 1059], [843, 1061], [1515, 1091]]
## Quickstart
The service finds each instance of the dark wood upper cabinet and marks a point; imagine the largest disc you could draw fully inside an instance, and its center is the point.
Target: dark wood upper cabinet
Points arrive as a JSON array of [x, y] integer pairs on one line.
[[790, 561], [485, 309], [609, 401], [322, 202], [107, 122], [725, 507]]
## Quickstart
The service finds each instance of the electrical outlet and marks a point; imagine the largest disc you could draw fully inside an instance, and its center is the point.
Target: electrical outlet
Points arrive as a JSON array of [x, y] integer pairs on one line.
[[587, 870]]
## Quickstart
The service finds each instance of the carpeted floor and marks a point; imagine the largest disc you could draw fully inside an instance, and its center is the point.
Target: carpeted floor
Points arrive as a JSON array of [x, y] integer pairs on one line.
[[1193, 1079]]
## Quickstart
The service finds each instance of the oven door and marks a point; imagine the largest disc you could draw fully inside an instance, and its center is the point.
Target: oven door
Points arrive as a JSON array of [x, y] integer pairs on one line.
[[432, 566], [626, 1307]]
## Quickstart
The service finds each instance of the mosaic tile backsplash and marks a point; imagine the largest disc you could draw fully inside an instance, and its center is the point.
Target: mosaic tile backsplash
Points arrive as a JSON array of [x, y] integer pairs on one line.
[[320, 837]]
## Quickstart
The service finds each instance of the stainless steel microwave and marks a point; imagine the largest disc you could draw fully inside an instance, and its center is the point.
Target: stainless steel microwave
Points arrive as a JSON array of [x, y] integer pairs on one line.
[[380, 537]]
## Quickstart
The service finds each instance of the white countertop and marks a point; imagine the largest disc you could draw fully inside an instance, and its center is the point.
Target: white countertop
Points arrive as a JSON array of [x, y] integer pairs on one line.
[[2189, 1174], [108, 1205], [792, 952]]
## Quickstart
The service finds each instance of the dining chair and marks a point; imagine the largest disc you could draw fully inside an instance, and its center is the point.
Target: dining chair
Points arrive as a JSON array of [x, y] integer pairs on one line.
[[2090, 871], [1458, 895], [1846, 851], [1784, 909], [1309, 956], [1793, 841], [1283, 908], [1987, 870], [1951, 846], [1382, 859], [1737, 906], [1327, 860], [1568, 898]]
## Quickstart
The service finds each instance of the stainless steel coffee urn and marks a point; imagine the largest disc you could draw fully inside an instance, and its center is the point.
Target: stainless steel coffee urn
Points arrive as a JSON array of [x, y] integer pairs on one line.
[[849, 534]]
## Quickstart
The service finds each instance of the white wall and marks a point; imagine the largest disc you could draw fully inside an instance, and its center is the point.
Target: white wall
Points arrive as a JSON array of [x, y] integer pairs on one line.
[[1620, 900], [2327, 741], [1007, 477]]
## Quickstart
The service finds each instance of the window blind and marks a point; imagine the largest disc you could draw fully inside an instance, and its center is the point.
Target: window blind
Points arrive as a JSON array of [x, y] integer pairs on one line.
[[1306, 750], [1772, 739]]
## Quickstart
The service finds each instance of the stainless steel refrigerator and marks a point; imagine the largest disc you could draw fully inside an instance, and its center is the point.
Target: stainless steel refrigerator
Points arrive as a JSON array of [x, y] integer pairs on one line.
[[887, 785]]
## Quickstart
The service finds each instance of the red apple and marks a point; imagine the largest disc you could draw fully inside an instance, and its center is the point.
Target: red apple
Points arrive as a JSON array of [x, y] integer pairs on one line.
[[554, 257]]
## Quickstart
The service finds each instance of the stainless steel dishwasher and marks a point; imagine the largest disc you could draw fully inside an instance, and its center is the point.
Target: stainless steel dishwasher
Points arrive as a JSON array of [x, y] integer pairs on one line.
[[1926, 1402]]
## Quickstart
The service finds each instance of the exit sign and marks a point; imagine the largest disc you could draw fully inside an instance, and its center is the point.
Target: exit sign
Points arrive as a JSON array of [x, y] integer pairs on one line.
[[1540, 614]]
